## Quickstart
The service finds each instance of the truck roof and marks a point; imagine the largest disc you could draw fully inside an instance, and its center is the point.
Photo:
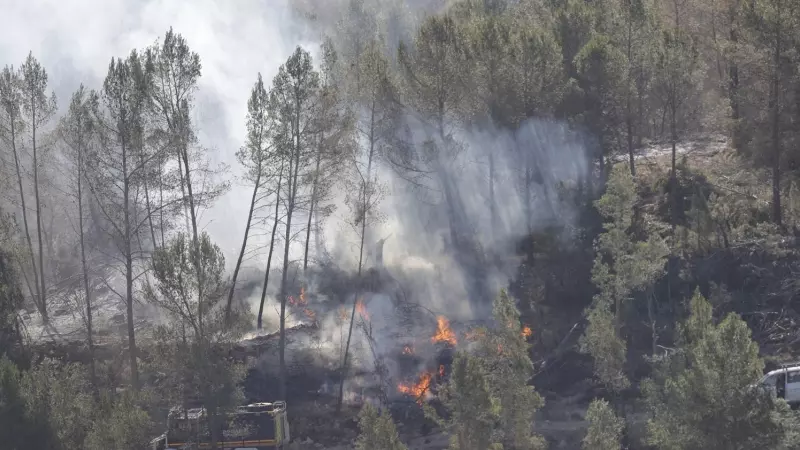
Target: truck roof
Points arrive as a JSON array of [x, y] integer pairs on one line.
[[785, 368], [197, 413]]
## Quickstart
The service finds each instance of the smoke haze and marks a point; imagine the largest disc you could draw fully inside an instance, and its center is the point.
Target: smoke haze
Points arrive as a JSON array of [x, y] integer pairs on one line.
[[237, 40]]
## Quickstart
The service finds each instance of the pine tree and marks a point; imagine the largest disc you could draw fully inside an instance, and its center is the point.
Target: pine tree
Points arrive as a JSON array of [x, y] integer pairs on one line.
[[701, 396], [194, 351], [116, 175], [378, 431], [37, 109], [293, 95], [504, 351], [623, 266], [605, 428], [472, 411], [255, 157]]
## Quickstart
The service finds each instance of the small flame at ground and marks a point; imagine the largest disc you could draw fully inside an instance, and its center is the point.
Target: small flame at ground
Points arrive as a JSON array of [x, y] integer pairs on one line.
[[301, 302], [362, 310], [443, 332], [526, 331], [441, 370], [419, 389]]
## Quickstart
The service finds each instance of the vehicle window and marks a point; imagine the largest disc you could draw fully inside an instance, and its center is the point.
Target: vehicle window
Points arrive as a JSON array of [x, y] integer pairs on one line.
[[770, 380], [794, 377]]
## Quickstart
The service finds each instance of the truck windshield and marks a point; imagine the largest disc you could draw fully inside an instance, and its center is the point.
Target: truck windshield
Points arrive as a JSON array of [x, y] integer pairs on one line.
[[250, 426]]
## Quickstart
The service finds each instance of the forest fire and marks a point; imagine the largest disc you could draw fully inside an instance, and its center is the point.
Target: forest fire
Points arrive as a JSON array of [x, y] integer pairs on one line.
[[526, 331], [418, 390], [302, 302], [443, 332], [362, 310]]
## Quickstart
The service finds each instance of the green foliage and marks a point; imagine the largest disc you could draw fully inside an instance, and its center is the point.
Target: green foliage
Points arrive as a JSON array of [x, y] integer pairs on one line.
[[504, 352], [10, 294], [537, 73], [123, 425], [702, 396], [602, 68], [58, 398], [378, 431], [623, 266], [471, 407], [192, 350], [488, 400], [17, 426], [605, 428], [608, 350], [678, 70]]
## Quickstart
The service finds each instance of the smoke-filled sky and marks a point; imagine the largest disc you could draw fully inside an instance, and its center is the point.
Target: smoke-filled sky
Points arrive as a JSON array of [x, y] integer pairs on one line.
[[75, 40]]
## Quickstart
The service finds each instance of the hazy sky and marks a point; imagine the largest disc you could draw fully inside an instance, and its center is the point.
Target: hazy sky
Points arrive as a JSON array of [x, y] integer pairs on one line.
[[75, 40]]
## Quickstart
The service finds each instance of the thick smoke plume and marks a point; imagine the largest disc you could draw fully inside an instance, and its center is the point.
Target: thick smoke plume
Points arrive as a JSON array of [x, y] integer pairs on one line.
[[415, 262]]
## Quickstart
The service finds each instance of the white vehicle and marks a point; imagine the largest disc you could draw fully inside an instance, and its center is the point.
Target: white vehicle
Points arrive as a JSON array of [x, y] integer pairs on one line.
[[784, 383]]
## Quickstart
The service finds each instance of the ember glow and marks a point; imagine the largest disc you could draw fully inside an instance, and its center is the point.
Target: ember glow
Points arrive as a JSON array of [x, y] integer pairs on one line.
[[301, 302], [526, 331], [408, 350], [362, 310], [419, 389], [441, 370], [443, 332]]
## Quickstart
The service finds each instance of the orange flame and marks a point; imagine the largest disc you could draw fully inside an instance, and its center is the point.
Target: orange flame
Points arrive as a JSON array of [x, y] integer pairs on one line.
[[302, 302], [441, 370], [419, 389], [362, 310], [408, 350], [526, 331], [443, 332]]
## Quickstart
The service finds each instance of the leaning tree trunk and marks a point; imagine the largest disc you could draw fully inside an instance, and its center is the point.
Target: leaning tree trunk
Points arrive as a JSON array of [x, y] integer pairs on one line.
[[42, 287], [244, 244], [39, 304], [271, 248]]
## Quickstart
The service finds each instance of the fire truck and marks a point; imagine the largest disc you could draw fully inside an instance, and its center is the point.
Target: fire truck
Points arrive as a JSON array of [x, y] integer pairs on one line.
[[255, 426]]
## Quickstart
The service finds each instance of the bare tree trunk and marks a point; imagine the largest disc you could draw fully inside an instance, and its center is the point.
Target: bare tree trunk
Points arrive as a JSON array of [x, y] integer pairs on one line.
[[673, 194], [42, 288], [364, 205], [38, 300], [148, 206], [85, 270], [628, 108], [129, 270], [492, 202], [313, 204], [195, 237], [733, 75], [244, 244], [161, 201], [777, 215], [294, 169], [271, 248]]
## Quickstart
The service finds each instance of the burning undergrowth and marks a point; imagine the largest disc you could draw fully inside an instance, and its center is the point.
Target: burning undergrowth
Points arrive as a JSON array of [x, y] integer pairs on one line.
[[401, 351], [419, 303]]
